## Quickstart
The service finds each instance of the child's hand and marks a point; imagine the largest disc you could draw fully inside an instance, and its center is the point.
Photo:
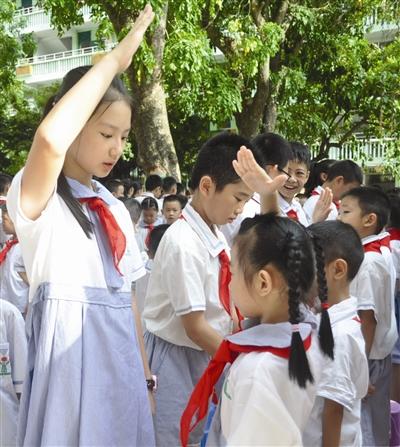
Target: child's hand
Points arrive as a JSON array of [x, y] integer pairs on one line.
[[323, 206], [128, 46], [254, 175]]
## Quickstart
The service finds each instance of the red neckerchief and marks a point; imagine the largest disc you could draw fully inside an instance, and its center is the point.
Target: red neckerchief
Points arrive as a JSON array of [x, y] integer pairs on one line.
[[9, 244], [115, 236], [292, 214], [375, 246], [335, 202], [227, 353], [394, 234], [223, 283], [149, 230]]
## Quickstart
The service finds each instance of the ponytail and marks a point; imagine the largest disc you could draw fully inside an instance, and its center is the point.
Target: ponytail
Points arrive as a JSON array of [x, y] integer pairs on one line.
[[299, 368], [325, 335]]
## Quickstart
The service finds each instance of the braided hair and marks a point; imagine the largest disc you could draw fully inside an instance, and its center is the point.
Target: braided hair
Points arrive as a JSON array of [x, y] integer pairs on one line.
[[270, 239]]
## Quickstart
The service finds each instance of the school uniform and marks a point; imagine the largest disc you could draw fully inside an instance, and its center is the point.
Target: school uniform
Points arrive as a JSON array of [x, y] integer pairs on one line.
[[310, 203], [374, 288], [143, 233], [13, 351], [12, 287], [184, 279], [293, 210], [395, 248], [259, 404], [250, 209], [343, 380], [86, 381]]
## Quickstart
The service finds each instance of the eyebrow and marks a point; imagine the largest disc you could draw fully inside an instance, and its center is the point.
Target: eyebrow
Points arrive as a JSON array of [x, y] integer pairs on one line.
[[244, 195], [102, 123]]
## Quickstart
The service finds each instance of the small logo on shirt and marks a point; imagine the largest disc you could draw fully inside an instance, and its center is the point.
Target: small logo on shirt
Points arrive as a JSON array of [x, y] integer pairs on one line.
[[5, 367]]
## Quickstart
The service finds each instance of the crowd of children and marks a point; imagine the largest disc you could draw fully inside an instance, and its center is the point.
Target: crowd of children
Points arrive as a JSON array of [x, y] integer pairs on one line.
[[264, 310]]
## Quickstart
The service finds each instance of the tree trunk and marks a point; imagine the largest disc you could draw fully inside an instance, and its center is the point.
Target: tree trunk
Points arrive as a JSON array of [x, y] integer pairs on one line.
[[270, 115], [156, 150]]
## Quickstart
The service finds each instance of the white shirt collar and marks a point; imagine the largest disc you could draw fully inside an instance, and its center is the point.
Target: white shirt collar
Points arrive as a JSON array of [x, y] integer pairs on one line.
[[374, 237], [345, 310]]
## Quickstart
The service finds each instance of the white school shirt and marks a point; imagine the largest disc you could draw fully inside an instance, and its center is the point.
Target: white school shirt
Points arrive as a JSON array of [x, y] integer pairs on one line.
[[56, 250], [374, 288], [344, 380], [185, 279], [310, 203], [285, 207], [142, 231], [260, 404], [395, 247], [250, 209], [12, 287], [13, 354]]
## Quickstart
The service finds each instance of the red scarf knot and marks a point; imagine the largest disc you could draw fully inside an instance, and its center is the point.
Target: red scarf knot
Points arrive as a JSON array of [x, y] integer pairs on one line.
[[115, 236], [149, 230], [292, 214], [375, 246], [7, 247]]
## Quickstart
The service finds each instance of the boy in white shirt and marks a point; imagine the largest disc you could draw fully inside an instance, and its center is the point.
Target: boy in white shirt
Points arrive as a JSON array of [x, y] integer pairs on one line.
[[341, 177], [188, 309], [367, 209], [299, 170], [13, 353], [336, 416]]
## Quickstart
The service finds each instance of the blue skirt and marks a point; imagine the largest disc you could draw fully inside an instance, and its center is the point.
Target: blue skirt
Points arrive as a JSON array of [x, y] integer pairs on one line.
[[85, 384]]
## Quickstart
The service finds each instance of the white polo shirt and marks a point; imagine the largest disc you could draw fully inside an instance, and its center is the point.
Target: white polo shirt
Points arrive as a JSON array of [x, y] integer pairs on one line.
[[310, 203], [374, 288], [185, 279], [285, 207], [250, 209], [344, 380]]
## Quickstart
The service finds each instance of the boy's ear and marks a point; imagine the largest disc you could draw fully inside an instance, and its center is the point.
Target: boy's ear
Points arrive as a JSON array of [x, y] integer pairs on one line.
[[369, 220], [339, 179], [338, 269], [206, 185]]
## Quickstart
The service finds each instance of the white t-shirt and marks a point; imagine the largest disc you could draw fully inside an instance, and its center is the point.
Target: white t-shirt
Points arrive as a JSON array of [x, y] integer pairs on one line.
[[13, 354], [250, 209], [374, 288], [286, 207], [345, 380], [55, 249], [395, 246], [12, 287], [310, 203], [260, 404], [185, 279]]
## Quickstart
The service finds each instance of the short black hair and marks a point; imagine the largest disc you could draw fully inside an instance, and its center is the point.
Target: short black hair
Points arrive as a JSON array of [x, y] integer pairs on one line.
[[137, 184], [5, 182], [394, 199], [273, 149], [168, 183], [180, 190], [372, 200], [348, 169], [173, 198], [113, 184], [134, 208], [149, 203], [215, 160], [301, 153], [153, 181], [339, 241], [317, 168], [155, 237]]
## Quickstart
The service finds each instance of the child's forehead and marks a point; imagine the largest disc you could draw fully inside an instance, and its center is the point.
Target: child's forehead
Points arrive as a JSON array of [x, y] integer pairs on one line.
[[173, 203], [297, 164]]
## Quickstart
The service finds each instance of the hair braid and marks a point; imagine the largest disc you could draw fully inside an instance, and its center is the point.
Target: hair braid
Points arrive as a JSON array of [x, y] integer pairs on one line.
[[299, 369], [325, 330]]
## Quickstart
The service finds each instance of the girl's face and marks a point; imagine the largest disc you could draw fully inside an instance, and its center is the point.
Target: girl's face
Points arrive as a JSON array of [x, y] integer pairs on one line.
[[100, 144], [149, 216]]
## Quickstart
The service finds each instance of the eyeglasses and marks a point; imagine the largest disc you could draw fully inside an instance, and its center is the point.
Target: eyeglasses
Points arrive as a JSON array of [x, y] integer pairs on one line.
[[280, 170]]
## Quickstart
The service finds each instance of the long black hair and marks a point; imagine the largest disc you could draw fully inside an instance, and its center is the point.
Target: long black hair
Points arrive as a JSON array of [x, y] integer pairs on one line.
[[285, 244], [115, 92]]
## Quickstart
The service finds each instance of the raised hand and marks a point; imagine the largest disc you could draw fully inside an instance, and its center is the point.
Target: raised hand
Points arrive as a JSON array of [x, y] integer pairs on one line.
[[323, 206], [128, 46], [254, 175]]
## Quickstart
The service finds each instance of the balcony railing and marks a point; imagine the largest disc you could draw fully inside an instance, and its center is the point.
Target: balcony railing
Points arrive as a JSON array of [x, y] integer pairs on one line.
[[50, 67], [36, 19], [368, 152]]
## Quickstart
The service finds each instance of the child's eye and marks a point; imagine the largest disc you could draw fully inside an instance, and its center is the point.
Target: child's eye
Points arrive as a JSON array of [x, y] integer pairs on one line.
[[124, 138], [106, 135]]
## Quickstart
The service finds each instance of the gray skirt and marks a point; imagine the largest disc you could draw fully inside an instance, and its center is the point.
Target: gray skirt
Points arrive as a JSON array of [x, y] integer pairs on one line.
[[85, 384], [178, 369]]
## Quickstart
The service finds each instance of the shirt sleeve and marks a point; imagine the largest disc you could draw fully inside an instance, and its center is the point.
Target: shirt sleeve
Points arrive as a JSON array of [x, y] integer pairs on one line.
[[368, 284], [18, 348], [184, 272], [258, 416]]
